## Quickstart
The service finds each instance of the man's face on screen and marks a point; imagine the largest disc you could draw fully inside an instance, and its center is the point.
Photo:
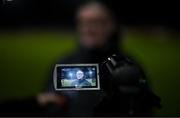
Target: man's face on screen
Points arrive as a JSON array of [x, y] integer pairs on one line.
[[79, 74], [94, 25]]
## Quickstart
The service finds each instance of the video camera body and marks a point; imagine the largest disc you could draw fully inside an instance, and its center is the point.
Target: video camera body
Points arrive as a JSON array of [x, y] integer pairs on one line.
[[123, 83]]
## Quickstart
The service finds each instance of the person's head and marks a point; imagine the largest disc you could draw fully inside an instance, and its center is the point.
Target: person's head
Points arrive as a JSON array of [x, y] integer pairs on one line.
[[95, 24], [79, 74]]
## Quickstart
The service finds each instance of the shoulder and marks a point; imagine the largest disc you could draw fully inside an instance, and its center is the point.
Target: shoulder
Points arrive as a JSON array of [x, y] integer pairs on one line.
[[74, 83], [86, 82]]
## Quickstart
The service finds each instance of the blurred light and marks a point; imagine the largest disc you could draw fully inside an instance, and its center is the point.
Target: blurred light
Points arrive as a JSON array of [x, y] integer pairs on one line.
[[90, 72], [9, 0], [5, 1], [70, 74]]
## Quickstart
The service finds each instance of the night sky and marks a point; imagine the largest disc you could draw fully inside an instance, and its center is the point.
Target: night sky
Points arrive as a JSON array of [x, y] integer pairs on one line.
[[60, 13]]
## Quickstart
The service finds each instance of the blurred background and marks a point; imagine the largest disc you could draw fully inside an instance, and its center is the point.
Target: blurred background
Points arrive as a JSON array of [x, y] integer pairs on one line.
[[35, 33]]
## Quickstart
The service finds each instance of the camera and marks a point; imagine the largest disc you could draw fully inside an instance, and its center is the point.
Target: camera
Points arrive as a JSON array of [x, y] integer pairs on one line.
[[122, 75], [122, 82], [115, 74]]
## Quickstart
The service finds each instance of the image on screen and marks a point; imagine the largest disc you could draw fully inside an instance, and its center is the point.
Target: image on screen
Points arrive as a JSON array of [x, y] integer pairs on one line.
[[76, 77]]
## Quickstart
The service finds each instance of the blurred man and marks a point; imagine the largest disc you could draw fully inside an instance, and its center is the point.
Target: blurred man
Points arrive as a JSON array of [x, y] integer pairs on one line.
[[98, 39]]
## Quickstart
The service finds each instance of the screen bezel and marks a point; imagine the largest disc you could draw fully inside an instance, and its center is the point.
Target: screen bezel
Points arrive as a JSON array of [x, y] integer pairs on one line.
[[97, 87]]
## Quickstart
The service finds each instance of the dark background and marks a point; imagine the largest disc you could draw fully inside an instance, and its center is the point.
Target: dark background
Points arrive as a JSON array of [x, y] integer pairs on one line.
[[60, 12]]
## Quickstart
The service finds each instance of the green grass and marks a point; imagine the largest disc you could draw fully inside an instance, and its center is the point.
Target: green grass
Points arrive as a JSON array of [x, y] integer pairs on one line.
[[161, 62], [26, 58], [26, 61], [67, 82]]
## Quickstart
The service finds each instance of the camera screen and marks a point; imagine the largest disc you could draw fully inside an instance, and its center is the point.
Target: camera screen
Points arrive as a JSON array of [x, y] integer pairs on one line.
[[76, 77]]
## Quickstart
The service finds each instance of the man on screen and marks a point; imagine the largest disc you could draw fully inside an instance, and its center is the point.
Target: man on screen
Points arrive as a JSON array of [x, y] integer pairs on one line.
[[80, 81]]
